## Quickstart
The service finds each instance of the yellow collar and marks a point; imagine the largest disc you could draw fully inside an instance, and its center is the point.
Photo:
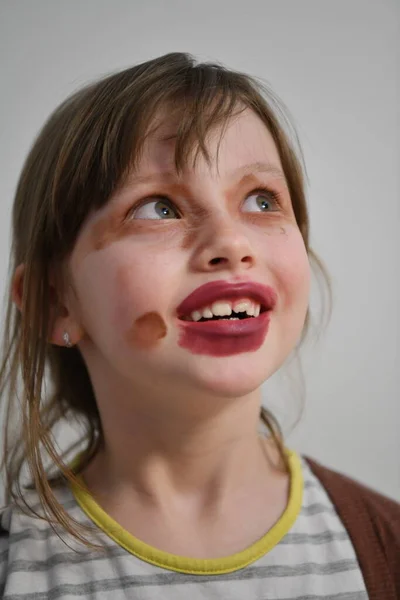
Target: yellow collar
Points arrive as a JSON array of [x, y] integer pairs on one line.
[[196, 566]]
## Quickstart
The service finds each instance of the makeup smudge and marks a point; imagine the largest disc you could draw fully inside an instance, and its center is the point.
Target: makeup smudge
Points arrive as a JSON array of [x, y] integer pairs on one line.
[[105, 232], [148, 330]]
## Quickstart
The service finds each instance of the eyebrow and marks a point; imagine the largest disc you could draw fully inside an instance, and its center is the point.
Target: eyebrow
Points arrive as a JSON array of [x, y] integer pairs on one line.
[[242, 172]]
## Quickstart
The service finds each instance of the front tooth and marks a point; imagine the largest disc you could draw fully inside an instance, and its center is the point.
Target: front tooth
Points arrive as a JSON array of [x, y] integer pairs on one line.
[[221, 309], [196, 315], [250, 310], [257, 309], [241, 307], [207, 313]]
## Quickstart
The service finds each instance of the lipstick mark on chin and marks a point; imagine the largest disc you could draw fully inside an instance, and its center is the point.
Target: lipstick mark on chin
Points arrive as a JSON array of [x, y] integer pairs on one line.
[[148, 330]]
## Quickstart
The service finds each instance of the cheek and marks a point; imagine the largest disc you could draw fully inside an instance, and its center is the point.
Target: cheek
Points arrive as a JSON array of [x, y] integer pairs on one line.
[[141, 299], [288, 260], [109, 288], [124, 292], [96, 295]]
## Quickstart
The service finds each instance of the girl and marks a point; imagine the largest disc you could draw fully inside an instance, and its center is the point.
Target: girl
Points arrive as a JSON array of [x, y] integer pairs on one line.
[[161, 273]]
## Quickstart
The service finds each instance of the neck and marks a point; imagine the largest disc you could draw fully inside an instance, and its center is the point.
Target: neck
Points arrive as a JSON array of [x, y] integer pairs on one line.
[[162, 460]]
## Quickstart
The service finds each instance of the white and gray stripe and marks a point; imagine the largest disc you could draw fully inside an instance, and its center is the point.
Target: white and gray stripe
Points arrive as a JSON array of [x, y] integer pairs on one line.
[[314, 560]]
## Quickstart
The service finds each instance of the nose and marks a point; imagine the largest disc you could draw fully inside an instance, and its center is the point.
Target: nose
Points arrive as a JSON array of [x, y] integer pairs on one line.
[[222, 244]]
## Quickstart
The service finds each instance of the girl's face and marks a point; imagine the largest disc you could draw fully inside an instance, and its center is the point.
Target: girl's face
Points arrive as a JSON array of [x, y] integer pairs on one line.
[[161, 237]]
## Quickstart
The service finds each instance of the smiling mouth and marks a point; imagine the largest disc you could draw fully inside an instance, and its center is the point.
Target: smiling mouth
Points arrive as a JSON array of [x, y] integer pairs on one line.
[[227, 310], [222, 318]]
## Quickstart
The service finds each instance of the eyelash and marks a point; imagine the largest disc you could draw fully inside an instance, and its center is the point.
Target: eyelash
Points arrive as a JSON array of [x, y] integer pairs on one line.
[[276, 197]]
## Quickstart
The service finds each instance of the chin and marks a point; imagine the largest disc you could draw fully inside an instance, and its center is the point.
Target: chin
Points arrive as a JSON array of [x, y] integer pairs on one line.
[[232, 376]]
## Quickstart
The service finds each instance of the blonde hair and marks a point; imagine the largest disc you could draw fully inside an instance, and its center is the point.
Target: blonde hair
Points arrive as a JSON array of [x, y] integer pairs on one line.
[[83, 152]]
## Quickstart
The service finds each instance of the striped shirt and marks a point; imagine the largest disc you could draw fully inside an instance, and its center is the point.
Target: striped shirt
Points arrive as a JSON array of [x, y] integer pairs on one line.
[[306, 555]]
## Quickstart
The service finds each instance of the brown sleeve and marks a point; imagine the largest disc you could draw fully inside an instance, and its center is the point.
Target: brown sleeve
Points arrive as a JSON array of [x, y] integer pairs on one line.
[[373, 524]]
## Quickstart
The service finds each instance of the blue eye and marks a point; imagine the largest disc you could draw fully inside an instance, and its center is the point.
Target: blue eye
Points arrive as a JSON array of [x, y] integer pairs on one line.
[[155, 209], [262, 201]]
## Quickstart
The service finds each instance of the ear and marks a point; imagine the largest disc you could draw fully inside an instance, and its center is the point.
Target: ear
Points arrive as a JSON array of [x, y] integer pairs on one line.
[[61, 318]]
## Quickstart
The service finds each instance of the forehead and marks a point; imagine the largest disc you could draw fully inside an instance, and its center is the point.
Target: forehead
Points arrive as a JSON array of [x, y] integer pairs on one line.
[[243, 139]]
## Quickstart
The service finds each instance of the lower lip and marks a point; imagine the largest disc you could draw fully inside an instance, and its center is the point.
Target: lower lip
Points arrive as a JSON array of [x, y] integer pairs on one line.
[[224, 337]]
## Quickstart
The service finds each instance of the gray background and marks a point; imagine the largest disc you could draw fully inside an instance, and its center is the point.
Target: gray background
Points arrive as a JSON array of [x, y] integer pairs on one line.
[[336, 65]]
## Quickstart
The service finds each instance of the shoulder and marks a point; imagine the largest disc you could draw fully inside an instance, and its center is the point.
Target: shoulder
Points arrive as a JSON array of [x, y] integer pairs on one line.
[[373, 524], [343, 489], [28, 543]]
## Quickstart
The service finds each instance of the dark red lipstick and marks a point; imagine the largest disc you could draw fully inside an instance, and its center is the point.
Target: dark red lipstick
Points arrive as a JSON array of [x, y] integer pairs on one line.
[[224, 336]]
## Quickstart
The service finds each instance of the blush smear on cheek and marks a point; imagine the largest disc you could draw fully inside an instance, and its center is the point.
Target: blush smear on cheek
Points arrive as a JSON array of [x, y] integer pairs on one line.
[[148, 330]]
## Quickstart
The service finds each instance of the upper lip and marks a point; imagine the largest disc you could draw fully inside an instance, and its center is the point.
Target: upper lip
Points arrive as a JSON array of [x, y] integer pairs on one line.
[[224, 290]]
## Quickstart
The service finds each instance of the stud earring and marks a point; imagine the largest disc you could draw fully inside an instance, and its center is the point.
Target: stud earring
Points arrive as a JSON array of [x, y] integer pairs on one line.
[[67, 340]]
